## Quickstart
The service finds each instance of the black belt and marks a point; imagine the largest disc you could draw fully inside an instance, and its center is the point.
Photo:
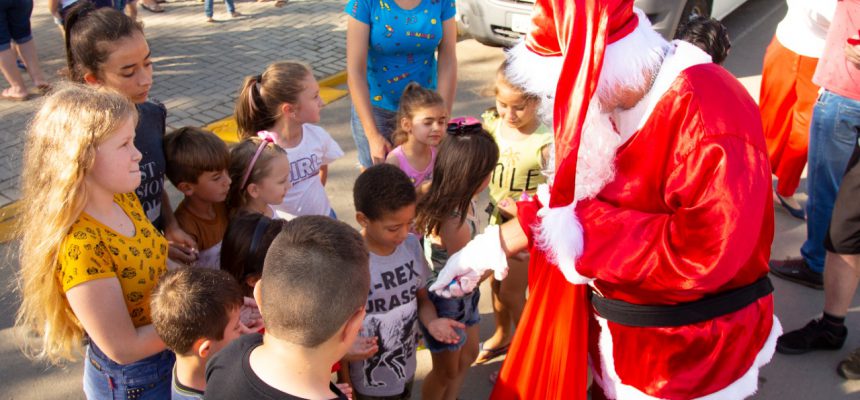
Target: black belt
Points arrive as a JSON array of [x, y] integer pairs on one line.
[[708, 308]]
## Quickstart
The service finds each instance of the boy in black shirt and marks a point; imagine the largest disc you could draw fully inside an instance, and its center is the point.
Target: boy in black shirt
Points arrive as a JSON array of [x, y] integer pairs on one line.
[[311, 295]]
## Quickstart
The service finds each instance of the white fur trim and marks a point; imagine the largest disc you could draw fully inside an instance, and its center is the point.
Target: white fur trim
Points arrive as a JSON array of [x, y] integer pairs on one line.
[[560, 236], [743, 387], [537, 75], [681, 55]]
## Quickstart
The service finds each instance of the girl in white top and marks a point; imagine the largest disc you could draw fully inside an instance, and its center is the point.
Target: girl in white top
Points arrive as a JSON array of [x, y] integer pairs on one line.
[[282, 104]]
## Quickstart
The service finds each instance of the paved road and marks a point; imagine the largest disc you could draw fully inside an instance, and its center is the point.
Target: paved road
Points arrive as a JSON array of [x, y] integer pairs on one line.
[[198, 66], [200, 60]]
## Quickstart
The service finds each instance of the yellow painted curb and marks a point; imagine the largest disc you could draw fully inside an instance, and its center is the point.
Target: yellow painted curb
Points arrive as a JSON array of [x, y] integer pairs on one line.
[[228, 132], [334, 80], [7, 221]]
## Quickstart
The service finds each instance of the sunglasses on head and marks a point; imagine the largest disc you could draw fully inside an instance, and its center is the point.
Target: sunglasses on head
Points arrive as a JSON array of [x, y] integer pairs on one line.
[[464, 126]]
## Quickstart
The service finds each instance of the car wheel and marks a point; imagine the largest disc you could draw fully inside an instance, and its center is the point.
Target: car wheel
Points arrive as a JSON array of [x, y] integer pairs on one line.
[[691, 9]]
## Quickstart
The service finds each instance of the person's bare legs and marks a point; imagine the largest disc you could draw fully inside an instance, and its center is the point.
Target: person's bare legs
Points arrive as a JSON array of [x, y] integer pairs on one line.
[[503, 317], [441, 376], [509, 299], [30, 57], [841, 276], [131, 9], [17, 87], [468, 354]]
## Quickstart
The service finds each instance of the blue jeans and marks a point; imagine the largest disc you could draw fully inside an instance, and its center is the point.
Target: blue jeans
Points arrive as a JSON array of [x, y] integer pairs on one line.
[[146, 379], [207, 7], [385, 121], [832, 137]]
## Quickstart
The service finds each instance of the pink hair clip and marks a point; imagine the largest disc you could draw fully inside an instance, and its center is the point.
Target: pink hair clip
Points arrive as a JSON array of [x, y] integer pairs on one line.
[[267, 135]]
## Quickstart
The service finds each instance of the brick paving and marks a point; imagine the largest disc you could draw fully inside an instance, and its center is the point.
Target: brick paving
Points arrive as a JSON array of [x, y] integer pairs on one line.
[[199, 66]]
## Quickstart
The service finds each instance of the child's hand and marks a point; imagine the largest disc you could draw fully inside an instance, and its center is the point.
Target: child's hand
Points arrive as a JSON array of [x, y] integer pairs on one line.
[[442, 329], [249, 315], [183, 247], [508, 207], [345, 388], [181, 253], [248, 329], [852, 50], [362, 349]]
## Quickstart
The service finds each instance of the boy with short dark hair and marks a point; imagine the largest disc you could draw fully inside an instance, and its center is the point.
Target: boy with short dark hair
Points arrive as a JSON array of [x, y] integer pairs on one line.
[[385, 203], [197, 163], [195, 311], [311, 296]]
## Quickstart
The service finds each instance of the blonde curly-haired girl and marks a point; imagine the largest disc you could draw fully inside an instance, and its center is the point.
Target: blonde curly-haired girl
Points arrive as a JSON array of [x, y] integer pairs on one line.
[[89, 256]]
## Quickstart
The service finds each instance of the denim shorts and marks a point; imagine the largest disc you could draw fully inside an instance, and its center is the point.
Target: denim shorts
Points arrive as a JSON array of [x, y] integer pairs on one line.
[[146, 379], [385, 123], [15, 22], [461, 309]]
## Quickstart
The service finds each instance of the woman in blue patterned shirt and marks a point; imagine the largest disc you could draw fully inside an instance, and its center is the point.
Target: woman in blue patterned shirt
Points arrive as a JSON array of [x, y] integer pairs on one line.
[[389, 44]]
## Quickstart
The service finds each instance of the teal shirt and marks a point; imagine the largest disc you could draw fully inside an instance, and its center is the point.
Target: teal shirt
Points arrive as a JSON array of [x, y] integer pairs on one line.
[[402, 46]]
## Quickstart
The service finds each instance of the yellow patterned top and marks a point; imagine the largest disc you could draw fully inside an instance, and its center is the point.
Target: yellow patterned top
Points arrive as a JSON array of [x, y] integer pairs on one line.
[[93, 251]]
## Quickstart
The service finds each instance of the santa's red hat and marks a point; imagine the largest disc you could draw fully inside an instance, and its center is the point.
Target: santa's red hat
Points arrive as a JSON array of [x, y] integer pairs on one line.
[[574, 35], [578, 31]]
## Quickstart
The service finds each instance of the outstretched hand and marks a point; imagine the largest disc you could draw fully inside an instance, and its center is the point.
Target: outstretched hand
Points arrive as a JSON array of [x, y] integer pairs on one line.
[[464, 269], [362, 349], [457, 278], [444, 330], [249, 315]]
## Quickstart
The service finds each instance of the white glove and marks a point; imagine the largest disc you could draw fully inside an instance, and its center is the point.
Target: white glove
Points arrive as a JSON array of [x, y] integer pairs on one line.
[[464, 269]]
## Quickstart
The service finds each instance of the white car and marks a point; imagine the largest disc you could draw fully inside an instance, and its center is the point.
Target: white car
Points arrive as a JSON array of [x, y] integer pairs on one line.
[[503, 22]]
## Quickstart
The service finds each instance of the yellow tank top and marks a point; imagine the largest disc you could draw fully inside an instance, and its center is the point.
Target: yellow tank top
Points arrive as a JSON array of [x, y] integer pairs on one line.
[[519, 166], [93, 251]]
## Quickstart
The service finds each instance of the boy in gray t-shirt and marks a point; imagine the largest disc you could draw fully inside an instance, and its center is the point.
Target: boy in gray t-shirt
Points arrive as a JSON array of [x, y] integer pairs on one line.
[[385, 207]]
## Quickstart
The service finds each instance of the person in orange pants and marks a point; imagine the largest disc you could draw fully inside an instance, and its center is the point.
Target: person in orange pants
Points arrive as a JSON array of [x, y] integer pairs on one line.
[[788, 94]]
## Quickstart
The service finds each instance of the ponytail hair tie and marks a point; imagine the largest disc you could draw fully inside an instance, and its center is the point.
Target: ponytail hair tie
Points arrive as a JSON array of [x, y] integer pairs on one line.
[[263, 143]]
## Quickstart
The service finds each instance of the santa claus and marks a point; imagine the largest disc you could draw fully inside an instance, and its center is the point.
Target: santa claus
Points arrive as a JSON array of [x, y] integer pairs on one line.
[[649, 249]]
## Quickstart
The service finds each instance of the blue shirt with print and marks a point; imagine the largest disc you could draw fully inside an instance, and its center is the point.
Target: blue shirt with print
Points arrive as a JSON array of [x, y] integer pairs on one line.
[[402, 46]]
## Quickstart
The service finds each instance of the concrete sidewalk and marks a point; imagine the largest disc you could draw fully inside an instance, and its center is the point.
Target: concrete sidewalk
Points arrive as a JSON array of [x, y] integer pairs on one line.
[[198, 66]]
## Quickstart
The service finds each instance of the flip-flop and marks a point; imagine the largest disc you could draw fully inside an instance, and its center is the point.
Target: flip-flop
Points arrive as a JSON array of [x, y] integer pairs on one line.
[[485, 355], [794, 212], [13, 98], [157, 9]]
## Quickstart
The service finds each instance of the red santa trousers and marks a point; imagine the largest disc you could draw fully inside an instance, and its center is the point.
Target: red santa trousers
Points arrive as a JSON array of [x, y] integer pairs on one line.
[[786, 101], [548, 357]]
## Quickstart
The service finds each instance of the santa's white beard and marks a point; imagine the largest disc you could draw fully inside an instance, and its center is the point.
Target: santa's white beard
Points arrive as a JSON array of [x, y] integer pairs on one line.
[[595, 165]]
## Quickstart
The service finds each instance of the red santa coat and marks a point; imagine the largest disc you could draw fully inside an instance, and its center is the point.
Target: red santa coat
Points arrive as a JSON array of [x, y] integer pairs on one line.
[[688, 215]]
